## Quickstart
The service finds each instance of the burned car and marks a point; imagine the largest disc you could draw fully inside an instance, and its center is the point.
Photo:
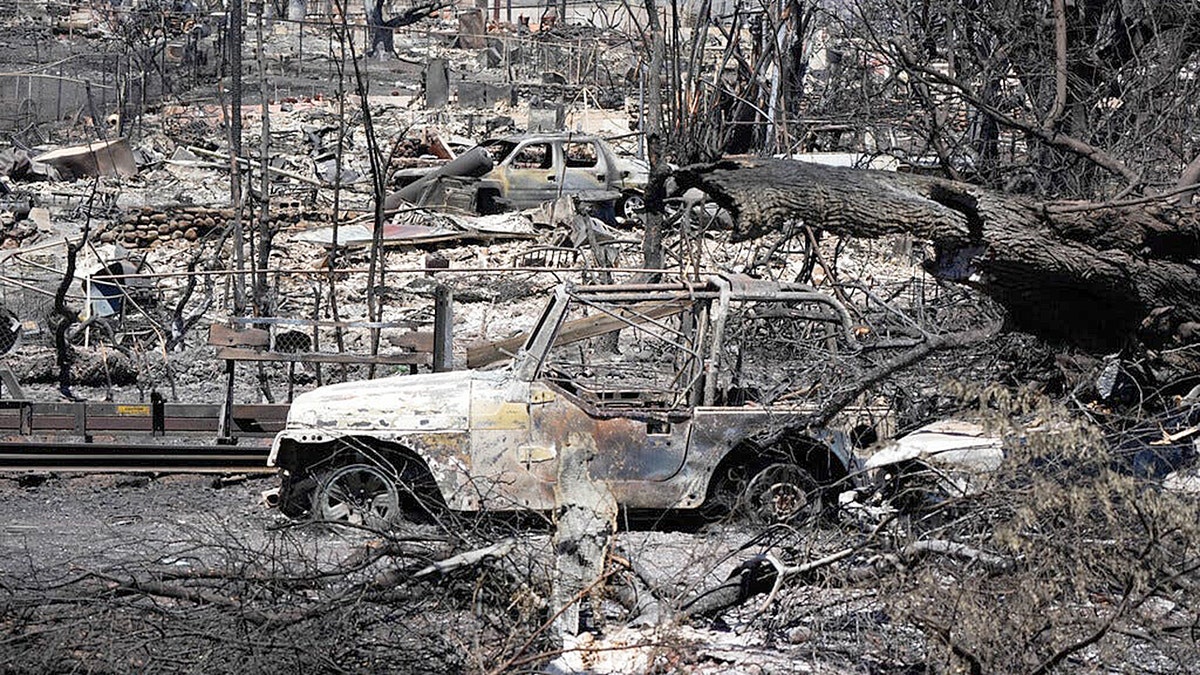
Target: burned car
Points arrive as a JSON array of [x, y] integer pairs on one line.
[[942, 460], [524, 171], [951, 459], [680, 386]]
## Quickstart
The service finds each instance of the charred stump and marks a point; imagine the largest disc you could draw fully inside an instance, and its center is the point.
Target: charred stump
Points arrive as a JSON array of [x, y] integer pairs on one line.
[[585, 519]]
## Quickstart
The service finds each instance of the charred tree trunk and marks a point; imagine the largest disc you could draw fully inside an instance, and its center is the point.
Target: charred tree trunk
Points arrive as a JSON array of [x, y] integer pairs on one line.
[[652, 253], [381, 34], [1087, 273]]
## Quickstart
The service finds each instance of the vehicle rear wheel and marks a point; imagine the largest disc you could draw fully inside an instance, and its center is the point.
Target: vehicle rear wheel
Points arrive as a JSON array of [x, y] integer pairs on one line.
[[780, 493], [357, 494], [631, 206]]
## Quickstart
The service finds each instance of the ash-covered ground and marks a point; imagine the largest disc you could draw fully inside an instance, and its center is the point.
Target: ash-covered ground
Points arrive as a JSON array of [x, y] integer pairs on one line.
[[193, 573]]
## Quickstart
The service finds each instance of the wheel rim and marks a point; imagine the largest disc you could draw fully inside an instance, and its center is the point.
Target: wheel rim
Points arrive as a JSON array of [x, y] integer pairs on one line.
[[632, 207], [358, 494], [780, 493]]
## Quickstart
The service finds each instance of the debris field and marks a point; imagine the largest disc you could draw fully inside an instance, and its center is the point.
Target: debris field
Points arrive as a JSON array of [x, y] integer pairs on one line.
[[598, 338]]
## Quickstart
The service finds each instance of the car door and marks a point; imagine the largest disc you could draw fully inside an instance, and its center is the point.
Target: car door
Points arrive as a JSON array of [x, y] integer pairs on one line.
[[637, 413], [632, 455], [529, 176], [584, 166]]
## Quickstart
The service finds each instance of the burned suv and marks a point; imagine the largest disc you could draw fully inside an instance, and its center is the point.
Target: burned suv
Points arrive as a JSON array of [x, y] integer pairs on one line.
[[525, 171], [538, 168], [685, 389]]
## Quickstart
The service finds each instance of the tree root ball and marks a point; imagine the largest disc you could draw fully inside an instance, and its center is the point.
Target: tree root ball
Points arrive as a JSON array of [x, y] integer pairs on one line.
[[90, 367], [97, 369]]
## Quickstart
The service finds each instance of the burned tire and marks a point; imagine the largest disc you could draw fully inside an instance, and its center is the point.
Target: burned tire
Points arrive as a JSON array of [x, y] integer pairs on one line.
[[782, 492], [357, 494]]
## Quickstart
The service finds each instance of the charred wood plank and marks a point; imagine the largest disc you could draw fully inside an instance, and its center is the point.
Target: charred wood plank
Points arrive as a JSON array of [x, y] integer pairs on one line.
[[482, 354]]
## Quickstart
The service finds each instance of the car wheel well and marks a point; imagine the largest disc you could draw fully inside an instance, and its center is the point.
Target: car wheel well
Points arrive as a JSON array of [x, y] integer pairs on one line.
[[748, 458], [306, 464], [489, 202], [806, 452]]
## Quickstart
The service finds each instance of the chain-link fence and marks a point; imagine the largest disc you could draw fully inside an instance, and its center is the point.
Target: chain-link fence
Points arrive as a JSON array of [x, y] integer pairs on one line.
[[27, 293]]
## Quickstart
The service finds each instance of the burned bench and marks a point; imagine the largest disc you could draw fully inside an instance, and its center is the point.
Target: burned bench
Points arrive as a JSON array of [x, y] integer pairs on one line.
[[251, 339]]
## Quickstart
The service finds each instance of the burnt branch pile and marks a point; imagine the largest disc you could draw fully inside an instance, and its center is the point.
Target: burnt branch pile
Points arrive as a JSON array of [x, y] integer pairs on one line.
[[327, 601]]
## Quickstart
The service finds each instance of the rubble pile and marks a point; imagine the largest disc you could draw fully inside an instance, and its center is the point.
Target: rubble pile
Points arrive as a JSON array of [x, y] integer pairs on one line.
[[15, 231], [147, 225]]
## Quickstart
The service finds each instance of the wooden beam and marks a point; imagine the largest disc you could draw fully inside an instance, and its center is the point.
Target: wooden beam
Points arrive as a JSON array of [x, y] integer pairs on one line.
[[240, 354], [484, 353], [414, 340], [220, 335]]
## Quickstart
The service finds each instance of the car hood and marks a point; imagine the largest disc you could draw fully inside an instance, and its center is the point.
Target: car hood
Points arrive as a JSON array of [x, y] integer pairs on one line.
[[427, 402], [953, 443]]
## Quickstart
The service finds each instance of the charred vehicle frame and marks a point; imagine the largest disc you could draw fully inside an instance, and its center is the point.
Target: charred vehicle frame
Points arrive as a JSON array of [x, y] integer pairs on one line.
[[527, 170], [677, 384]]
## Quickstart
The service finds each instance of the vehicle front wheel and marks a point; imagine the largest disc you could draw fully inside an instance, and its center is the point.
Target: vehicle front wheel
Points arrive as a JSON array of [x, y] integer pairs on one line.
[[780, 493], [357, 494]]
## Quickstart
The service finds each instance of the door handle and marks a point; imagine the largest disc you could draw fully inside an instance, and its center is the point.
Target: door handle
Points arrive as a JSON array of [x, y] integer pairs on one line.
[[550, 178]]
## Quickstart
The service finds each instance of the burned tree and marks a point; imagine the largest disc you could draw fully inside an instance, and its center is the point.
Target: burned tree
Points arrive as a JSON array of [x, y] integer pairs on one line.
[[1087, 273], [1087, 99], [381, 29]]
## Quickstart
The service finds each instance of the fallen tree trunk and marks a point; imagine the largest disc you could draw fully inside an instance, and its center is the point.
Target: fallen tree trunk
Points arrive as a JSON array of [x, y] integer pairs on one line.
[[1088, 273]]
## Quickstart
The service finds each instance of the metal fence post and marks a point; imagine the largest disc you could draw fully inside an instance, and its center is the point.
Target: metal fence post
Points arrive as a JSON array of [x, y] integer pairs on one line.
[[443, 322]]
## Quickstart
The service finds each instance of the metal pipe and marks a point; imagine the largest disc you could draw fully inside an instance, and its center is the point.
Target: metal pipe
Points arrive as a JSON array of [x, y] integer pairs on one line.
[[718, 336], [397, 270]]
